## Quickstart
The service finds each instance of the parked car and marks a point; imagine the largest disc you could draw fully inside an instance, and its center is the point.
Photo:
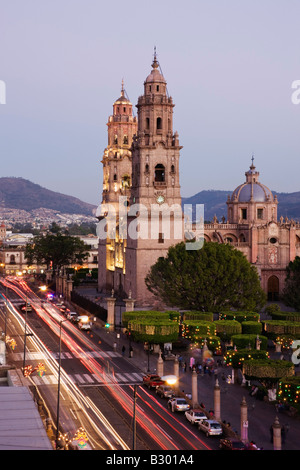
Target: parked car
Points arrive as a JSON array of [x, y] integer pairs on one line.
[[165, 391], [210, 427], [195, 416], [231, 444], [178, 404], [152, 380]]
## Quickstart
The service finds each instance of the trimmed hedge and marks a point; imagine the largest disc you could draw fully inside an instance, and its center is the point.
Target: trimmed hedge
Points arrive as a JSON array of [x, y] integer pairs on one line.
[[192, 329], [239, 316], [212, 342], [273, 328], [226, 328], [145, 314], [268, 369], [289, 391], [243, 341], [198, 316], [286, 316], [251, 328], [236, 358], [154, 331]]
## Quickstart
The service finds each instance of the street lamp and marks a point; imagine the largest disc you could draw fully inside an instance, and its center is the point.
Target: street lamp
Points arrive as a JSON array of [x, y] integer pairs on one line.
[[58, 384]]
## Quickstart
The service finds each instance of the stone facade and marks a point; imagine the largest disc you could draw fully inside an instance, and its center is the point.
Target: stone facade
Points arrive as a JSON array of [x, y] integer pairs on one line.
[[143, 168], [253, 228]]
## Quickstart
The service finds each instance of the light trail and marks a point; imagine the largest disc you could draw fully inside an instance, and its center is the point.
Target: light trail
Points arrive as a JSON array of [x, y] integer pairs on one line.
[[50, 316], [113, 441]]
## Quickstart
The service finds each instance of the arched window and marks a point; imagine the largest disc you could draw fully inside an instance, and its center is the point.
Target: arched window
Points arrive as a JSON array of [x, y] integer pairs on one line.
[[159, 175], [158, 123]]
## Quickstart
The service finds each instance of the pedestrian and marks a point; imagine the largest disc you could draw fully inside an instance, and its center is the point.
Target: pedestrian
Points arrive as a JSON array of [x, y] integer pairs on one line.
[[123, 350]]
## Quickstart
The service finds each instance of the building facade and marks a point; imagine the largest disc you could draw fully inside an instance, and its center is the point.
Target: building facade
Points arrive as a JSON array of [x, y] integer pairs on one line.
[[141, 166], [153, 206], [253, 228]]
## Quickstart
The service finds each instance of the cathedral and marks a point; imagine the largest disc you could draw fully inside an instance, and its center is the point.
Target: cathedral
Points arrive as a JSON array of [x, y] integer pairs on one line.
[[140, 216]]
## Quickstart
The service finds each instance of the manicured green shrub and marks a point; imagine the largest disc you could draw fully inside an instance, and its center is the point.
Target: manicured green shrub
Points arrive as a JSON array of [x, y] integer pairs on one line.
[[239, 316], [288, 391], [226, 328], [251, 327], [154, 331], [192, 329], [273, 328], [142, 314], [268, 369], [198, 316], [246, 341], [236, 358], [286, 316], [212, 342]]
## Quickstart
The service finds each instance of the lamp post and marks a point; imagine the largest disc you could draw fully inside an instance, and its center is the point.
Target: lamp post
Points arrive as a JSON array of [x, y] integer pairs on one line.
[[58, 384], [25, 333]]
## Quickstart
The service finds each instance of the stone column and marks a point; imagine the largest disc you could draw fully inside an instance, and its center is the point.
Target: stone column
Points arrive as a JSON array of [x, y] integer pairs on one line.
[[160, 365], [194, 389], [111, 311], [257, 343], [129, 305], [244, 421], [69, 288], [217, 401], [276, 434]]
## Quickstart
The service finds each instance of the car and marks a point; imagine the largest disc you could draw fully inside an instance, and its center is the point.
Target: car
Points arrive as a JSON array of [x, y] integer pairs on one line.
[[27, 308], [232, 444], [152, 380], [165, 391], [195, 416], [72, 316], [210, 427], [178, 404]]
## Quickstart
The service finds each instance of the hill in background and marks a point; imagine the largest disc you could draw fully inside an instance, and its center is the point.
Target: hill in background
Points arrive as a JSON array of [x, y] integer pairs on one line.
[[19, 193], [215, 204]]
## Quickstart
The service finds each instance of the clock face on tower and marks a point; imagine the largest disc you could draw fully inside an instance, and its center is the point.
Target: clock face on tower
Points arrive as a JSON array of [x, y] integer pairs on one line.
[[160, 199]]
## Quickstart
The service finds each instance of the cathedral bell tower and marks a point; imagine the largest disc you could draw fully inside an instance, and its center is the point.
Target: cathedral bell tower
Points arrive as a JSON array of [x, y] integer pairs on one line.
[[117, 177], [155, 219]]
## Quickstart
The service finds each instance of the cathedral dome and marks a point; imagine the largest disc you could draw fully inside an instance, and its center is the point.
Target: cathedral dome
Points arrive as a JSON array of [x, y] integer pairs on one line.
[[252, 189], [122, 99], [155, 75]]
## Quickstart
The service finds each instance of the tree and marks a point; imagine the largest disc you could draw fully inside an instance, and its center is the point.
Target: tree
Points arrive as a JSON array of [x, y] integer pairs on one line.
[[214, 278], [56, 250], [291, 293]]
